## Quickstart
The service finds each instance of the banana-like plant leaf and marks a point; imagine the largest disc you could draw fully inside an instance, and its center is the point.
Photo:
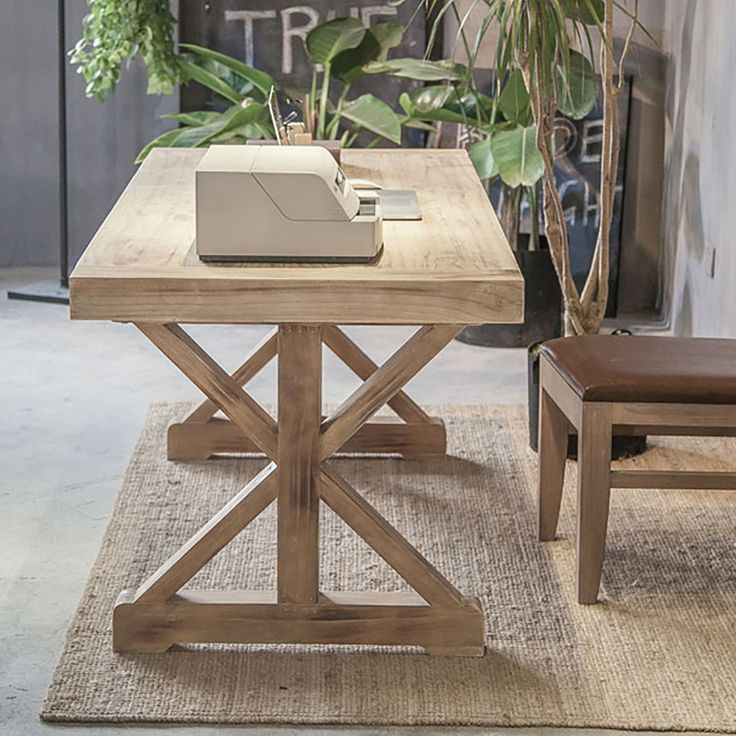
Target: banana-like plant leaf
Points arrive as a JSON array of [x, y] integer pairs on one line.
[[260, 80], [579, 87], [409, 122], [229, 121], [433, 97], [442, 115], [198, 117], [328, 40], [211, 81], [422, 70], [378, 40], [193, 136], [162, 141], [516, 155], [348, 65], [513, 101], [374, 115], [482, 158], [388, 35]]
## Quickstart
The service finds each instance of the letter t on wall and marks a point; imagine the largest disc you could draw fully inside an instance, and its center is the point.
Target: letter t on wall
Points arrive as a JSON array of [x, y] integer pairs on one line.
[[248, 17], [290, 31]]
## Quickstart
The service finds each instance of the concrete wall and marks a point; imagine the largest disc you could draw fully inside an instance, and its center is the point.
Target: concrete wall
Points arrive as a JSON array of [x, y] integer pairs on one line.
[[700, 200], [29, 213], [103, 139]]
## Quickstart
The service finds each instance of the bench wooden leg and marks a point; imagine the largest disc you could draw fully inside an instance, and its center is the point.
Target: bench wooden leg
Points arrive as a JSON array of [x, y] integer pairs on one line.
[[594, 491], [553, 433]]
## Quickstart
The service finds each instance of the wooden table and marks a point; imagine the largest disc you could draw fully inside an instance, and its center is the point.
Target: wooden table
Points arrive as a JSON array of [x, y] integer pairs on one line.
[[451, 269]]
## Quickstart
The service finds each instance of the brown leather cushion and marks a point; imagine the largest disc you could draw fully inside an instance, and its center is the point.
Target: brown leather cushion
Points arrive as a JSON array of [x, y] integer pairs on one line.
[[647, 369]]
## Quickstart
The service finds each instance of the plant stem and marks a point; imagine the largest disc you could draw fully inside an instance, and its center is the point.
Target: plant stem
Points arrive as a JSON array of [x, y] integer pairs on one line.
[[334, 124], [533, 194], [310, 102], [323, 98]]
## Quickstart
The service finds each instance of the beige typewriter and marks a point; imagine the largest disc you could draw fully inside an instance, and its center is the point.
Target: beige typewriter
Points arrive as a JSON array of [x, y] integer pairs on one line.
[[282, 203]]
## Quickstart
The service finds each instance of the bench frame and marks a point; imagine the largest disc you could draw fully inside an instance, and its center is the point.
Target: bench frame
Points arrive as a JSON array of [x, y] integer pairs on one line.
[[561, 410]]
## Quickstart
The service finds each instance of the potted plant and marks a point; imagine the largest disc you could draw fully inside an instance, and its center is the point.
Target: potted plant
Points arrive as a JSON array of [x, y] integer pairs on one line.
[[338, 50], [544, 65], [501, 142]]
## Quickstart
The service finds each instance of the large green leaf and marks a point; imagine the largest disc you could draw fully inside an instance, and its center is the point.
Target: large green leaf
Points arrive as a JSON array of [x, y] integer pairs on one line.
[[374, 115], [482, 158], [433, 97], [377, 42], [162, 141], [516, 155], [329, 39], [513, 101], [409, 122], [230, 120], [234, 120], [262, 81], [579, 87], [422, 70], [388, 35], [441, 103], [348, 65], [211, 81], [442, 115], [198, 117]]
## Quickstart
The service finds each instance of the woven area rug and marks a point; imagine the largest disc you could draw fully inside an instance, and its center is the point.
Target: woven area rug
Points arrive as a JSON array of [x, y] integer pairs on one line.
[[658, 653]]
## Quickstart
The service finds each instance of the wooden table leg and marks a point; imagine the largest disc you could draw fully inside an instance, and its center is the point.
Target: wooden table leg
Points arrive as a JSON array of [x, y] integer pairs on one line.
[[435, 616], [300, 415]]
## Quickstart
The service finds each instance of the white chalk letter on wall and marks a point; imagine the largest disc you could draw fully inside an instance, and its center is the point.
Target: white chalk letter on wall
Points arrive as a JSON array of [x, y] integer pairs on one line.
[[591, 140], [289, 32], [248, 17], [368, 12]]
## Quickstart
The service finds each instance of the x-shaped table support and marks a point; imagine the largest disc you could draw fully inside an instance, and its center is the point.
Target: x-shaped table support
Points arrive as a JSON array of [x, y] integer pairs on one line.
[[435, 616]]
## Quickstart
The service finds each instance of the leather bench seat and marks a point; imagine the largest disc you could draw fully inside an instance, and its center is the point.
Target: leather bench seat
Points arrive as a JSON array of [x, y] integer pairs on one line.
[[647, 369]]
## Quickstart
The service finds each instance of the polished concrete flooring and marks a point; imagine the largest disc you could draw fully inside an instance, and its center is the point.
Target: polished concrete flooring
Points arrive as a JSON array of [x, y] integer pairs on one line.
[[73, 397]]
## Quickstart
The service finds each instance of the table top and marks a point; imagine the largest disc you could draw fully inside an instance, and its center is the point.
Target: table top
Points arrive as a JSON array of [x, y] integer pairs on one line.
[[452, 267]]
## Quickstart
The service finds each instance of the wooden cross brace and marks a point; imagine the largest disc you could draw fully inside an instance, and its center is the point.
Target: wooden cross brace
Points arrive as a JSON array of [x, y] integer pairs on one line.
[[434, 616], [412, 434]]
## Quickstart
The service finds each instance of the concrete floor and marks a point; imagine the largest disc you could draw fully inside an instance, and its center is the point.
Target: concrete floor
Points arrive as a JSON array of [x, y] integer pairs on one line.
[[74, 396]]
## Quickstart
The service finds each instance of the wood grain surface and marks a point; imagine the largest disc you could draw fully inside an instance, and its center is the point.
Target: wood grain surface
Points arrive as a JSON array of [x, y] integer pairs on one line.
[[452, 267]]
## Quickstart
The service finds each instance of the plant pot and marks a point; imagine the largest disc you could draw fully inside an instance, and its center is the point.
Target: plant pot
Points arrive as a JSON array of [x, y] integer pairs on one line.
[[542, 305], [622, 446]]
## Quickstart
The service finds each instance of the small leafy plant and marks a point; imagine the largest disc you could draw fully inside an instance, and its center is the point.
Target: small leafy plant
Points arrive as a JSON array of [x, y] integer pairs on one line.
[[339, 51]]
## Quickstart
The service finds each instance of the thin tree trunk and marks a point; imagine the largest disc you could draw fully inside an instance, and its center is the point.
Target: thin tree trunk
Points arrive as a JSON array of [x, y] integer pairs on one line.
[[583, 313]]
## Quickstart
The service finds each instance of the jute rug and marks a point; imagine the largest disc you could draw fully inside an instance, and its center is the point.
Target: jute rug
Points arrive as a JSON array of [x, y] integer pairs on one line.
[[658, 653]]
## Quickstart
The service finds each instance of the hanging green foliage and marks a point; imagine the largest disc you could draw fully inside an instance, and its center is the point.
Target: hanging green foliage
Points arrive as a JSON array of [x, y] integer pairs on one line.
[[117, 31]]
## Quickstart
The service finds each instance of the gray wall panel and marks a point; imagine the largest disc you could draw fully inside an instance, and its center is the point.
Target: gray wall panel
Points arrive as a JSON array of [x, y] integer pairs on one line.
[[103, 139], [29, 211]]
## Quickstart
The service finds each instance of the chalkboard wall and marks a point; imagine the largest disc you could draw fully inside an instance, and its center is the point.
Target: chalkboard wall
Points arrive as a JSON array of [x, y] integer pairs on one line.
[[269, 34]]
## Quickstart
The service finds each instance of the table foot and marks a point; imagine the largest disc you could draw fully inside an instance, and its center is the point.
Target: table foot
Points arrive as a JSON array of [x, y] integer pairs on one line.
[[255, 617]]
